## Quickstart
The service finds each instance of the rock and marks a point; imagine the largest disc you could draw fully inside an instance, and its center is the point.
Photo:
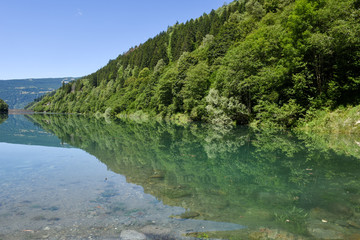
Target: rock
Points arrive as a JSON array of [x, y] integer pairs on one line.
[[329, 230], [158, 175], [157, 232], [354, 224], [341, 209], [189, 215], [132, 235], [321, 233], [273, 234], [319, 213]]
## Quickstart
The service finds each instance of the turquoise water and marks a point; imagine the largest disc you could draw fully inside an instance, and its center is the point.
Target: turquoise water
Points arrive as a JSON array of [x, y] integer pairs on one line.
[[70, 177]]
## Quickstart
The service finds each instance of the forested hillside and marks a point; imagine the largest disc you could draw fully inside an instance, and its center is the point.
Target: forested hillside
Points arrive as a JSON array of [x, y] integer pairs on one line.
[[251, 60]]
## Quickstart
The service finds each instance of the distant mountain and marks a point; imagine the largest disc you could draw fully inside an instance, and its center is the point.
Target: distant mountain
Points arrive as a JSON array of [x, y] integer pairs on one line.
[[18, 93]]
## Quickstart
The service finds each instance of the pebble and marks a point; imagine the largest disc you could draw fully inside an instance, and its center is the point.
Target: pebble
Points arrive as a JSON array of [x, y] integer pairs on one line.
[[132, 235]]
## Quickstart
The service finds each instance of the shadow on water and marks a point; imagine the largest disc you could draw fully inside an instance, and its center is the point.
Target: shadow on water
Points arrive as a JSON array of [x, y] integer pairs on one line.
[[280, 185]]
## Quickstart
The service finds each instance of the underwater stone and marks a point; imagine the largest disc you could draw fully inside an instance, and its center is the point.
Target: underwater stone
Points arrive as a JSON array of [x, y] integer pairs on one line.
[[132, 235], [325, 233], [189, 215]]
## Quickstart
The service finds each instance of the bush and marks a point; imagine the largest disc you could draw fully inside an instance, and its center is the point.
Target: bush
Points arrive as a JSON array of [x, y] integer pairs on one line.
[[342, 120], [272, 115], [225, 111], [4, 108]]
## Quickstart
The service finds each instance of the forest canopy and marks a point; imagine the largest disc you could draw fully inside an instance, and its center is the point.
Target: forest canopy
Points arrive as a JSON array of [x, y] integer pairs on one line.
[[249, 61]]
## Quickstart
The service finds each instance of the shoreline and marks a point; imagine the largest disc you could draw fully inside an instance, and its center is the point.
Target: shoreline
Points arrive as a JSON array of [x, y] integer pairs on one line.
[[20, 111]]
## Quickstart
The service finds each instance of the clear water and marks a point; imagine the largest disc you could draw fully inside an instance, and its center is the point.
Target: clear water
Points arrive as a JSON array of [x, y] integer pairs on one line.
[[70, 177]]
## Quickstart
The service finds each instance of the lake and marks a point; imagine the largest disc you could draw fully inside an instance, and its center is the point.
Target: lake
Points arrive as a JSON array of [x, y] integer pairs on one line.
[[72, 177]]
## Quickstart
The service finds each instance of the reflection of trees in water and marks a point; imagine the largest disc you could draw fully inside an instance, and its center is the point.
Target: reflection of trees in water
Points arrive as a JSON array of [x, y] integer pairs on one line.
[[3, 118], [225, 175]]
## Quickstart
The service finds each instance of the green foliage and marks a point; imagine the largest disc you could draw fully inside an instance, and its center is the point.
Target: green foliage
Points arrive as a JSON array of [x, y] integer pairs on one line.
[[195, 86], [3, 106], [268, 60], [164, 91], [272, 115], [224, 111], [342, 120]]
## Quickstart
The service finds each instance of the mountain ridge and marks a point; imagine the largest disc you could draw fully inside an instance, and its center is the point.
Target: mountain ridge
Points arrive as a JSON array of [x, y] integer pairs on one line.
[[20, 92]]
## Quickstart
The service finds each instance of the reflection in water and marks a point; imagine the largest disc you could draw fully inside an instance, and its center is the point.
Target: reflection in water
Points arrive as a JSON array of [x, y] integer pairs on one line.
[[17, 129], [60, 193], [276, 184], [3, 118], [65, 193]]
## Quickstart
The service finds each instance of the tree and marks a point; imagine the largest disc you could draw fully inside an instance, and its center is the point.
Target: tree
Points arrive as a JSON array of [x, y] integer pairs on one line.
[[224, 111], [196, 85], [164, 91], [4, 108]]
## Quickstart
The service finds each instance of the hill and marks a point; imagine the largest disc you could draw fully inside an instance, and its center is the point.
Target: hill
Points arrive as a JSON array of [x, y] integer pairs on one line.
[[20, 92], [254, 61]]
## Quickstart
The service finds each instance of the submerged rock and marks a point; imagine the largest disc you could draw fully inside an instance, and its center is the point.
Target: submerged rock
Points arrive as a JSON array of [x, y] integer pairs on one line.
[[273, 234], [132, 235], [157, 232], [321, 230], [354, 224], [189, 214], [321, 233]]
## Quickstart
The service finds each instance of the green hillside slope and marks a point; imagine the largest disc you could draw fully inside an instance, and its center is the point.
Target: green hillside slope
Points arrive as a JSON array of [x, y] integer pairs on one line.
[[18, 93], [251, 60]]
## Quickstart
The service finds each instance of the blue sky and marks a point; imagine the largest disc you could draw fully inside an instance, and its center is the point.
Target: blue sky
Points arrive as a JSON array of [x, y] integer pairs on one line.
[[73, 38]]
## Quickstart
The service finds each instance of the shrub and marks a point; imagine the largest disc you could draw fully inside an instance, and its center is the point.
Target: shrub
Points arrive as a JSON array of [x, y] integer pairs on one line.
[[3, 106], [225, 111], [272, 115]]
